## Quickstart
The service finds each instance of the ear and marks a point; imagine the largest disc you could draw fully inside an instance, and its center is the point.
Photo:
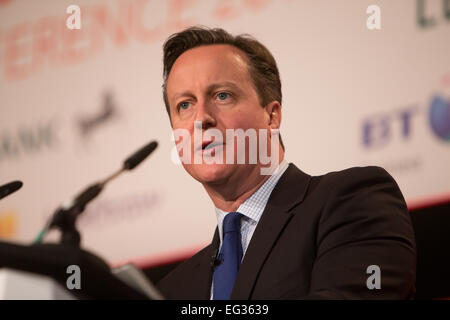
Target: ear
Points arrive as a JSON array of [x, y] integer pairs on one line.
[[273, 109]]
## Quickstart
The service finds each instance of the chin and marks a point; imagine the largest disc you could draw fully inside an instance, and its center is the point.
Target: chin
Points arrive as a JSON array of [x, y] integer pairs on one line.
[[209, 173]]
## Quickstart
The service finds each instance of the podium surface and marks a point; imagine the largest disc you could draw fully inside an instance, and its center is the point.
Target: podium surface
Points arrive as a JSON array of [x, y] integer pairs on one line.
[[53, 260], [20, 285]]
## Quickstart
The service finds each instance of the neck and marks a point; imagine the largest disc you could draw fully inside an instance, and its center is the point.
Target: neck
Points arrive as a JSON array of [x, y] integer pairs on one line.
[[231, 193]]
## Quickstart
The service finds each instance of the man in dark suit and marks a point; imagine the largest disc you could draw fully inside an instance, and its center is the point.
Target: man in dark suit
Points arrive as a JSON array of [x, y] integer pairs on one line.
[[287, 235]]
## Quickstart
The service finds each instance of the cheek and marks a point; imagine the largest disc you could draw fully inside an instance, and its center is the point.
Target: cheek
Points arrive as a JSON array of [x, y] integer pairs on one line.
[[250, 118], [247, 113], [184, 128]]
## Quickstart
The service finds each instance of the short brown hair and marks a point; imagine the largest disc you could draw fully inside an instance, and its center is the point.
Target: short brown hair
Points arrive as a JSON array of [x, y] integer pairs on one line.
[[261, 64]]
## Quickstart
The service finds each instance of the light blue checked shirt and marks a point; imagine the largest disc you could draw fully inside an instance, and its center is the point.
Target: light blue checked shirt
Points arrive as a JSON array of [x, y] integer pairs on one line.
[[252, 209]]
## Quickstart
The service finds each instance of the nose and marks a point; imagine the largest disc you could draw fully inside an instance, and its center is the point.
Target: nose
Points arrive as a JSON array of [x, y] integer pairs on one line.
[[206, 115]]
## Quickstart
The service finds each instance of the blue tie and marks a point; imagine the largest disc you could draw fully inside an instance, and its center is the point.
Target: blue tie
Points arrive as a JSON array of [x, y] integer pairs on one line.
[[231, 255]]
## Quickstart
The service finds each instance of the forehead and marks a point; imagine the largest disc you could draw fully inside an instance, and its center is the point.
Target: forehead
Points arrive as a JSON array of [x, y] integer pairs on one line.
[[210, 63]]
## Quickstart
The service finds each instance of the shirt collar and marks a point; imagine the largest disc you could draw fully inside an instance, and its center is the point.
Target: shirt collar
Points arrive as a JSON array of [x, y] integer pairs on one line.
[[253, 207]]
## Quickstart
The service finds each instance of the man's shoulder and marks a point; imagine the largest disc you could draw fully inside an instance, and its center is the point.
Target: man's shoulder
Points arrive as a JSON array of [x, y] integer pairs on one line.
[[357, 173], [354, 177], [350, 178], [369, 187], [357, 193]]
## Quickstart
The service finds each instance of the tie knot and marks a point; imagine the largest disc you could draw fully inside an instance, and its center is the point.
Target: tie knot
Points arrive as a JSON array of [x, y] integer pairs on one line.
[[232, 222]]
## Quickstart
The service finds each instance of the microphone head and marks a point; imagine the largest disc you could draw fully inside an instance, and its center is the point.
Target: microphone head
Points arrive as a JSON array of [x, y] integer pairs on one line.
[[9, 188], [139, 156]]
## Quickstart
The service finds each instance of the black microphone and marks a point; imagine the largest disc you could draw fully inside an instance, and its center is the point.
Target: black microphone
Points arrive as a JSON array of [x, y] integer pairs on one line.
[[7, 189], [139, 156], [215, 260]]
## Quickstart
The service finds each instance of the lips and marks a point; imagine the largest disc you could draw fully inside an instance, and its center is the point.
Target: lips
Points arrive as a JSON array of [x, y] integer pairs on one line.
[[208, 146], [205, 144]]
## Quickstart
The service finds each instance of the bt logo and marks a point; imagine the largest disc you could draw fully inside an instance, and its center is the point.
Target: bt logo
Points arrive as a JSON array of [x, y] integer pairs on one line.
[[440, 117], [378, 130]]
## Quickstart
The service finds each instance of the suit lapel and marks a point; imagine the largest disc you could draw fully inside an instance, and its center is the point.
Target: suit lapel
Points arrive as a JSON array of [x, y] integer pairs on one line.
[[204, 269], [288, 193]]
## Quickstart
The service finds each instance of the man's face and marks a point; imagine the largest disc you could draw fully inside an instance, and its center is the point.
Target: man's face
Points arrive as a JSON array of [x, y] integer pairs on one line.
[[212, 84]]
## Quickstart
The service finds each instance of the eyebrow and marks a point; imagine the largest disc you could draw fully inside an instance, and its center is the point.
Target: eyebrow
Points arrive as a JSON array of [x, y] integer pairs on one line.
[[212, 87]]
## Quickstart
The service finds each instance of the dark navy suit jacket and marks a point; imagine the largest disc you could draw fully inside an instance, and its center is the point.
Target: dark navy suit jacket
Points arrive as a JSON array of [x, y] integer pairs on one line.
[[315, 240]]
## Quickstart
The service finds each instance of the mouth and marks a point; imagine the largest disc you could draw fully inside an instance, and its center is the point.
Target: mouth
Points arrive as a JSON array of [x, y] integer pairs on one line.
[[209, 146]]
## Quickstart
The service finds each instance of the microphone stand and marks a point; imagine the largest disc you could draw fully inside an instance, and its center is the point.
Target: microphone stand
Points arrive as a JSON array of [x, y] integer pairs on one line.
[[65, 222], [66, 216]]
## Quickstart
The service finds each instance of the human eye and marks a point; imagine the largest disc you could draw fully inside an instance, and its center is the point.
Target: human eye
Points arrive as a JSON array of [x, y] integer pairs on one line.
[[223, 96], [184, 105]]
